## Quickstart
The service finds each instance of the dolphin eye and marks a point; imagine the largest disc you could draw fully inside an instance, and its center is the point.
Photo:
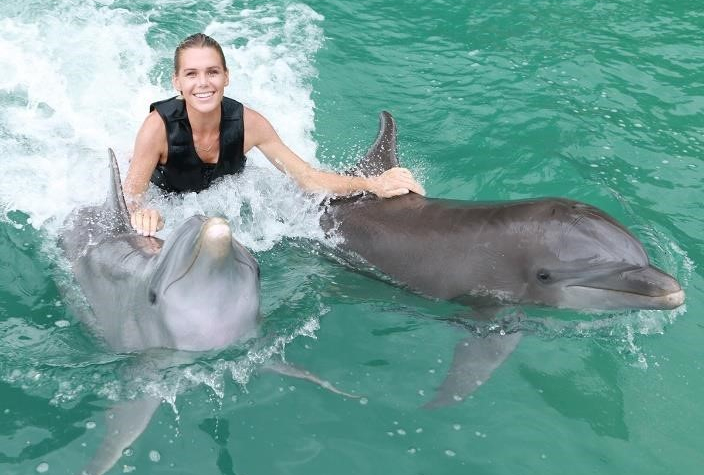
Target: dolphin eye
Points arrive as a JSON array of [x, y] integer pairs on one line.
[[543, 275], [152, 297]]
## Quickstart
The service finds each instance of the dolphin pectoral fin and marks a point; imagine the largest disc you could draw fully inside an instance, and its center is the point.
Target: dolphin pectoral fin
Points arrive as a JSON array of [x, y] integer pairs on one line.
[[288, 369], [474, 361], [125, 422]]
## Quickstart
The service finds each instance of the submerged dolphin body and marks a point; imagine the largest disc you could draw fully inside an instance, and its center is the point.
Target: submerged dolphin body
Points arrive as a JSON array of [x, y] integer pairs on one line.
[[545, 252], [196, 291]]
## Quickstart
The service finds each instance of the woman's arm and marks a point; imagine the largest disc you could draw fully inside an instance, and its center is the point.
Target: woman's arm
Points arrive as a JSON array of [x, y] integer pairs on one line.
[[259, 133], [149, 147]]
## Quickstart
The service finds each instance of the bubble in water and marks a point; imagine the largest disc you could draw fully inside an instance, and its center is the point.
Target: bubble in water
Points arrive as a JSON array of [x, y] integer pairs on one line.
[[450, 453], [363, 401], [154, 456], [43, 467], [62, 323], [128, 452], [90, 425]]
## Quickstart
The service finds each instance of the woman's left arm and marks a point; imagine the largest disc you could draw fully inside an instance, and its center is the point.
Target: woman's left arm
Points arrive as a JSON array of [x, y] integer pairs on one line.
[[259, 133]]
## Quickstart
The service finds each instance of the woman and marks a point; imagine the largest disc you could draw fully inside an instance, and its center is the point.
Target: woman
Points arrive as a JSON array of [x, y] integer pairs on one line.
[[188, 141]]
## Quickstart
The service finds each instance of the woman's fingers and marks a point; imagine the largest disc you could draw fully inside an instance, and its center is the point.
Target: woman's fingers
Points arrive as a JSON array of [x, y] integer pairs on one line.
[[396, 181], [146, 221]]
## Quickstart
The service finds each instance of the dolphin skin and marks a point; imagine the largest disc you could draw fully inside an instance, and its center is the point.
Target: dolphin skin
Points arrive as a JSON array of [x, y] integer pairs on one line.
[[196, 291], [550, 252]]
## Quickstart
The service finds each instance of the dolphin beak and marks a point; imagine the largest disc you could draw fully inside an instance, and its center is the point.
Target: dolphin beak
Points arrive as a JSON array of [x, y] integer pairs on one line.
[[649, 286], [216, 244], [216, 238]]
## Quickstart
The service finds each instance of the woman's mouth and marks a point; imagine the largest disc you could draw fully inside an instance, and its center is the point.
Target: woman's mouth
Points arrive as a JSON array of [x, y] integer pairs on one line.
[[204, 95]]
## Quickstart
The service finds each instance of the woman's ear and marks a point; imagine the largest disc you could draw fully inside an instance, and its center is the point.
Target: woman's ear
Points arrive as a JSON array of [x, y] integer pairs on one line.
[[176, 83]]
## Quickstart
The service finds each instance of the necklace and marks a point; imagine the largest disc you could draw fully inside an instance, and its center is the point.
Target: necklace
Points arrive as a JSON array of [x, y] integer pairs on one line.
[[207, 149]]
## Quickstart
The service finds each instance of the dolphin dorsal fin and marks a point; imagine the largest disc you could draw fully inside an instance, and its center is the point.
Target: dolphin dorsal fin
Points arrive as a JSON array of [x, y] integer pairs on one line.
[[382, 155], [115, 201]]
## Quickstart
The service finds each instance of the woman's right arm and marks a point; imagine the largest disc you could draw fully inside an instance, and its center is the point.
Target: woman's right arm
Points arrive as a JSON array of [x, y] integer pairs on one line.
[[149, 148]]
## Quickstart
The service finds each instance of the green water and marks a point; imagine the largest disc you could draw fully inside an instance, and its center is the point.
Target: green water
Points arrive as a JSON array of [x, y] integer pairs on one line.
[[597, 101]]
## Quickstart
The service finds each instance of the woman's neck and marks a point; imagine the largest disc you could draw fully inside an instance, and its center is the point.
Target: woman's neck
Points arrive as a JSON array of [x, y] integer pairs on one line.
[[204, 123]]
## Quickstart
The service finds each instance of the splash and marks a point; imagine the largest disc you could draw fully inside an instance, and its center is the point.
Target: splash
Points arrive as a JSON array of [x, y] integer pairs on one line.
[[81, 76]]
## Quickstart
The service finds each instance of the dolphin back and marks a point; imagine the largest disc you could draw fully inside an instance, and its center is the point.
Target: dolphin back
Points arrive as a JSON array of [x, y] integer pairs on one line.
[[382, 154]]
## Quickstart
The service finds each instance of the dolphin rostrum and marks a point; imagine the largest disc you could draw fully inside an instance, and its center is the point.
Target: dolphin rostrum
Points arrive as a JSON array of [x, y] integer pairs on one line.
[[546, 252]]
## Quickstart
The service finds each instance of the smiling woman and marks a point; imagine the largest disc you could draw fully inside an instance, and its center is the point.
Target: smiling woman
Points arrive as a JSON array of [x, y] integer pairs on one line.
[[190, 140]]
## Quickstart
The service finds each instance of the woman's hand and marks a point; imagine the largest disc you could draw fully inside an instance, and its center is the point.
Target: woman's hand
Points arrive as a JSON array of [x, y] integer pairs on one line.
[[146, 221], [393, 182]]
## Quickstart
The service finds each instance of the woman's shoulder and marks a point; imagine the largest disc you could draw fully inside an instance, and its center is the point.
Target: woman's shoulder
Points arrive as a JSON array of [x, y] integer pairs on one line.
[[153, 126], [174, 106]]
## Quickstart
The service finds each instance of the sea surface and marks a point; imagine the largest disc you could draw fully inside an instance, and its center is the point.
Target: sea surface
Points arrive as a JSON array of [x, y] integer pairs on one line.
[[599, 101]]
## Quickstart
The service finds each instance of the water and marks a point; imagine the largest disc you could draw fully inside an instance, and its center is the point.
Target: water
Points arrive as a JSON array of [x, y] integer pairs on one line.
[[598, 101]]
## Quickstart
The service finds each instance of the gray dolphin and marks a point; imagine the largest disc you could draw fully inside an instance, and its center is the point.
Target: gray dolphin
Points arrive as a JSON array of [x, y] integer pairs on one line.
[[196, 291], [545, 252]]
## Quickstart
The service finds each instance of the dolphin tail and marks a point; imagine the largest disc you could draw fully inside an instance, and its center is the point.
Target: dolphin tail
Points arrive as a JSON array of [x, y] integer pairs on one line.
[[125, 422], [288, 369], [474, 361], [115, 201], [382, 155]]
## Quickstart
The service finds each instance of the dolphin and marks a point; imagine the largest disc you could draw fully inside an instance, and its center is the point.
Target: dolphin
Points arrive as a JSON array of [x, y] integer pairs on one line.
[[552, 252], [195, 292]]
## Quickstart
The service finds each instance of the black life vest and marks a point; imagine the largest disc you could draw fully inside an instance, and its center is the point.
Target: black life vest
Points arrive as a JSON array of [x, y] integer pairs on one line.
[[184, 170]]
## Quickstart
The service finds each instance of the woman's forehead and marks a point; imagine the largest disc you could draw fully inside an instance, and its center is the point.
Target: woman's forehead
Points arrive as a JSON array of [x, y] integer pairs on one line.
[[199, 58]]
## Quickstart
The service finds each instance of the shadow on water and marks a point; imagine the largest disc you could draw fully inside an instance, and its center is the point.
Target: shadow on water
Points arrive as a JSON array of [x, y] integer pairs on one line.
[[58, 426], [24, 288], [219, 430], [587, 390]]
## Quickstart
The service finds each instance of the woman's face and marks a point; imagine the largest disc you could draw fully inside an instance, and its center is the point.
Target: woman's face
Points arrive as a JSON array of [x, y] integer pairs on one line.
[[201, 79]]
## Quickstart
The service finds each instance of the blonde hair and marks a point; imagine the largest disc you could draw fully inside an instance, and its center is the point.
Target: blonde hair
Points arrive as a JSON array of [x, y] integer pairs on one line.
[[198, 40]]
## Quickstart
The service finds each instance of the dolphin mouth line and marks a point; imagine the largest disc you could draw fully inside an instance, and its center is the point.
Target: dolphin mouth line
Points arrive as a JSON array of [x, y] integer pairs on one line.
[[594, 287], [677, 295], [194, 255]]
